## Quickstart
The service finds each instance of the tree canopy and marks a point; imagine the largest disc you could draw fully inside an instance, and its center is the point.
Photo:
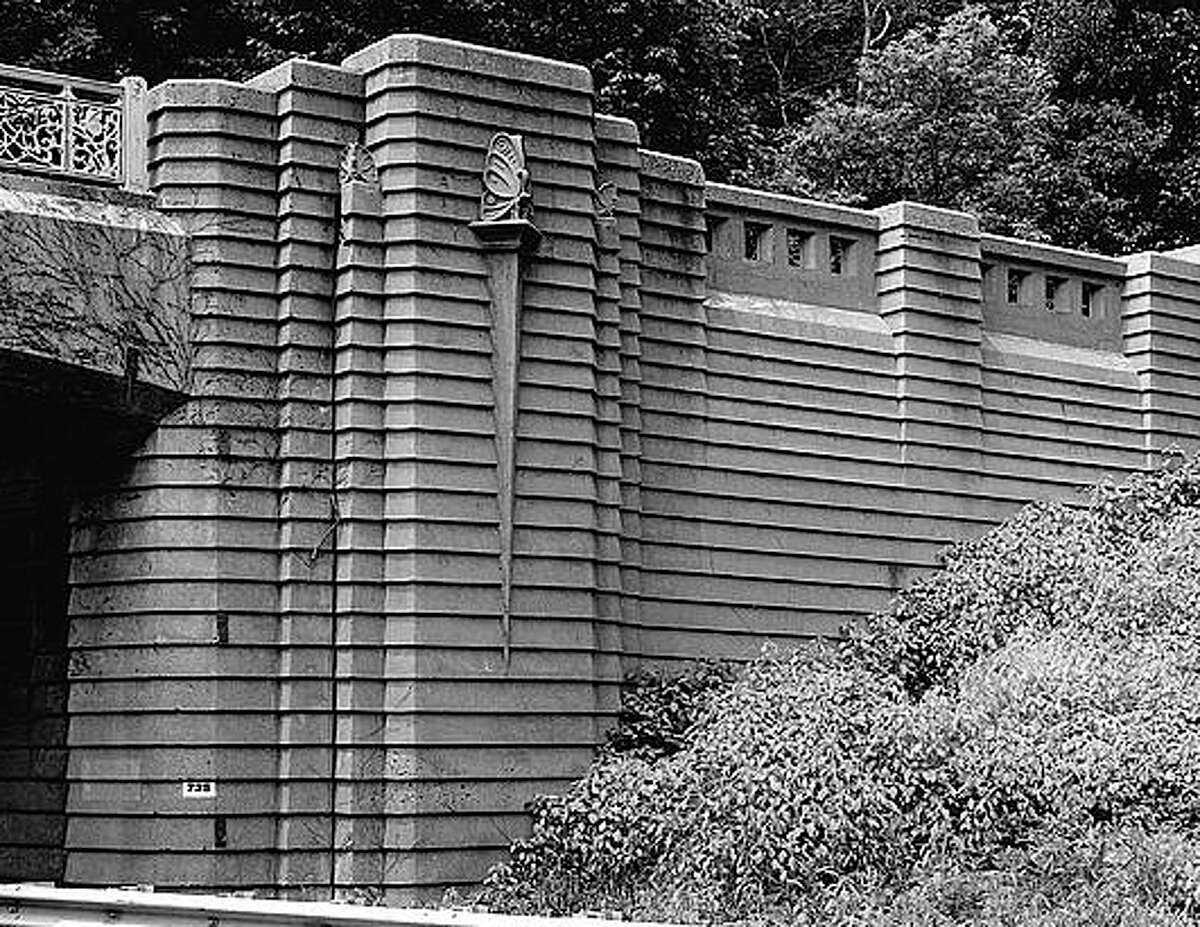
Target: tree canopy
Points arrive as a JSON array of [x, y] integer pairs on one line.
[[1064, 120], [944, 115]]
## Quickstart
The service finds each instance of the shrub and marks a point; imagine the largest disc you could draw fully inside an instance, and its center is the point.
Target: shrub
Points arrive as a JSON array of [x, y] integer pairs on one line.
[[1066, 878], [590, 847], [658, 708], [1034, 704]]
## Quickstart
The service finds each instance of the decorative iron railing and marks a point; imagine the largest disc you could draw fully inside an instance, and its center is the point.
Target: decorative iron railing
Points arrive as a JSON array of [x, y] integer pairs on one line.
[[68, 127]]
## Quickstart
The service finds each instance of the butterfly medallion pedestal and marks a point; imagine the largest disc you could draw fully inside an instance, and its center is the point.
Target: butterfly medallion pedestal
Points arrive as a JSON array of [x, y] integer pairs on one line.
[[518, 235], [505, 242]]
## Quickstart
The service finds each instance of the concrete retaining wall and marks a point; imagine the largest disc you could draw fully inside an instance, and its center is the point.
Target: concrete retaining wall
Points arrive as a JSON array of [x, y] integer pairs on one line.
[[739, 417]]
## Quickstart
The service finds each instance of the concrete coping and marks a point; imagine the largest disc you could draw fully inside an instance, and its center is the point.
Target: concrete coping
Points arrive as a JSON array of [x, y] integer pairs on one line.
[[1186, 253], [672, 167], [743, 199], [1167, 265], [1050, 256], [33, 184], [415, 48], [134, 213], [309, 75], [617, 128], [202, 93], [936, 220]]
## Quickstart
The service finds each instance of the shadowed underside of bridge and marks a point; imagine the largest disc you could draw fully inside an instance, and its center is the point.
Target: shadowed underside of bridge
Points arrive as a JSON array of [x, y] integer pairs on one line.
[[93, 351]]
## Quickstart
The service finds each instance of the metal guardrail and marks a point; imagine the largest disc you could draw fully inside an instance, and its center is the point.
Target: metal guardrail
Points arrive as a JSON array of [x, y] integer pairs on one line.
[[74, 128], [41, 906]]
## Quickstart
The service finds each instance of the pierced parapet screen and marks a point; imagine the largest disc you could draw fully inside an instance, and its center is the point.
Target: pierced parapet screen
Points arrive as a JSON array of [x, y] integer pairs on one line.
[[756, 241], [57, 125], [840, 250]]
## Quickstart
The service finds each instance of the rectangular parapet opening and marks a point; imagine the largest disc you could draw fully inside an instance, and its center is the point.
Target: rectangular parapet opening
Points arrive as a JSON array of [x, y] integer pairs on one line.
[[841, 253], [800, 248], [756, 240], [712, 230], [1056, 293], [1052, 294], [1015, 284], [52, 125], [789, 248]]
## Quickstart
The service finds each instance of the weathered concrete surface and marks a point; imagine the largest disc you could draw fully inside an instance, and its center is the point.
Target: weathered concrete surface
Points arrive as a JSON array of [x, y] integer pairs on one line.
[[93, 301], [737, 417], [94, 347]]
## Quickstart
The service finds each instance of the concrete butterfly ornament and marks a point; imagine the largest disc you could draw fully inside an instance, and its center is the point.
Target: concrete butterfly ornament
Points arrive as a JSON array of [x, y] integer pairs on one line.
[[507, 235], [505, 181], [605, 199]]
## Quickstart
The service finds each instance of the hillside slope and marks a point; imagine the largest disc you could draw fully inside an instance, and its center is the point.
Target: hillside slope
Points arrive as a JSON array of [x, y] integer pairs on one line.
[[1016, 741]]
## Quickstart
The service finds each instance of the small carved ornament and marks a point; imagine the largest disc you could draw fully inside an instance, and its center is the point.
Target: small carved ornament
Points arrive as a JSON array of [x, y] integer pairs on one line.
[[505, 181], [606, 200], [357, 166]]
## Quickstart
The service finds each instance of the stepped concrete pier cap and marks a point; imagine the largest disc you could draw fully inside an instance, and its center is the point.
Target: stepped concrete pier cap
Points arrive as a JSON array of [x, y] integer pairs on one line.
[[421, 486], [464, 57]]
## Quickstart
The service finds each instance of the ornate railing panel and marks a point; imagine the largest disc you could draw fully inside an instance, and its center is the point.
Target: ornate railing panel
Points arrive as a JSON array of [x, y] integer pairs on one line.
[[85, 130]]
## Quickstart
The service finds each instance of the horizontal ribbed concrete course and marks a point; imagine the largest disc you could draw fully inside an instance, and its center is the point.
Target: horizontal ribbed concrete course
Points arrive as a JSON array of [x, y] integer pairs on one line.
[[739, 417]]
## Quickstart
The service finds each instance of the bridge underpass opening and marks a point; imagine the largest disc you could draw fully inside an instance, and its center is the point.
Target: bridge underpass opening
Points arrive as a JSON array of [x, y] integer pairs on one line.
[[33, 656], [52, 454]]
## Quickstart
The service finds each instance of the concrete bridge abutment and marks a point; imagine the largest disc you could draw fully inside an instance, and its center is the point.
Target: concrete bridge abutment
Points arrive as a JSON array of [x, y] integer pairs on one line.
[[421, 404]]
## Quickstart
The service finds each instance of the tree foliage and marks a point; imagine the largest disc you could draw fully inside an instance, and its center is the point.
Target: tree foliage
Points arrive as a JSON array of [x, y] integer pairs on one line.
[[108, 39], [1128, 75], [944, 115], [1015, 742]]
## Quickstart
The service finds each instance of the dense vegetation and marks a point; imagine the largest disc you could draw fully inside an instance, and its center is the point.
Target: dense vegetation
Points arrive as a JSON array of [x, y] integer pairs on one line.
[[1065, 120], [1016, 741]]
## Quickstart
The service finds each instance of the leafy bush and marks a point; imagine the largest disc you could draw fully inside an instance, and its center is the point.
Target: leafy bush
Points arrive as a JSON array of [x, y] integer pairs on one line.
[[658, 708], [1067, 878], [986, 751]]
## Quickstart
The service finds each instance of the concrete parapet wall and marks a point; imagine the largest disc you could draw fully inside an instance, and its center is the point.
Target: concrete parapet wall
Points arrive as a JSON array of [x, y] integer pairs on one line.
[[737, 417], [831, 442], [800, 250], [467, 738], [174, 593], [1052, 294], [1160, 326]]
